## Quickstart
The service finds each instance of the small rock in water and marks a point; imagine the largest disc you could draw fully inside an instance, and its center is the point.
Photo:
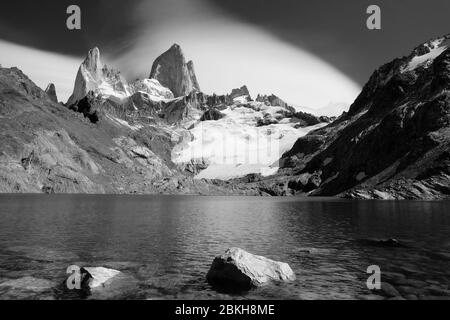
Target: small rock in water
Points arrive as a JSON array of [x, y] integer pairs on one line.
[[100, 275], [238, 270], [390, 243], [92, 278], [389, 290]]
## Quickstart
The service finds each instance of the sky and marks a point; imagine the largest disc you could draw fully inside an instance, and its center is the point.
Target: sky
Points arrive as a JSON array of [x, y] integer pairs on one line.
[[317, 54]]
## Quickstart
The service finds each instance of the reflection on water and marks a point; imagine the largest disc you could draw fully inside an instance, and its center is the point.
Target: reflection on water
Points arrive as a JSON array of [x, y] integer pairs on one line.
[[165, 244]]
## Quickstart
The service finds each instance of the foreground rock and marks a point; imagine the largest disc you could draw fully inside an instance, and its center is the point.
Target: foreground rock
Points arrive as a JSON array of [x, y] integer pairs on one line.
[[100, 276], [238, 270], [95, 277], [100, 283]]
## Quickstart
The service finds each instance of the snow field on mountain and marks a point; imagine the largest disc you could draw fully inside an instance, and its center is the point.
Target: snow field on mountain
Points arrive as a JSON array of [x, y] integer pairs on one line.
[[234, 146], [436, 47]]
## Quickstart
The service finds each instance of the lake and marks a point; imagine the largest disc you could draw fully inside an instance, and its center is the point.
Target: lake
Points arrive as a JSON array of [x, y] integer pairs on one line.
[[166, 244]]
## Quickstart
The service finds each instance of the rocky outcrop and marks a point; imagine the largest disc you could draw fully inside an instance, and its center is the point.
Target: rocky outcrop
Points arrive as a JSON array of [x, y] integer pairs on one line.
[[87, 107], [394, 141], [195, 166], [240, 92], [192, 75], [99, 283], [272, 100], [51, 92], [184, 111], [172, 71], [306, 119], [237, 270], [212, 114], [98, 78]]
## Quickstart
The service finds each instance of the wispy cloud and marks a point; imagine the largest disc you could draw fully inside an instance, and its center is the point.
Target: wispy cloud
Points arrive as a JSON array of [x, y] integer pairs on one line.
[[228, 53]]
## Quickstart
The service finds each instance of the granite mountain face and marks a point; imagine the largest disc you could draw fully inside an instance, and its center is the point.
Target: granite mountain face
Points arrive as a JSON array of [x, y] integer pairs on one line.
[[162, 134], [393, 143], [172, 71]]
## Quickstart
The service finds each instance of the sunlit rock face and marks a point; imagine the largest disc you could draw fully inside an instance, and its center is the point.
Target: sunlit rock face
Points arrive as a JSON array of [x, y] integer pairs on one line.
[[153, 88], [172, 71], [98, 78], [238, 270]]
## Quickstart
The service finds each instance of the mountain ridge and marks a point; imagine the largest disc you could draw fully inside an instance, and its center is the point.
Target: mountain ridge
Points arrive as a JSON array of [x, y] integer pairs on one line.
[[142, 137]]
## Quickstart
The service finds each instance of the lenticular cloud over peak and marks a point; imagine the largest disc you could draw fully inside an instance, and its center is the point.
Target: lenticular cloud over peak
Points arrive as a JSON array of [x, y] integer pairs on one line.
[[228, 52]]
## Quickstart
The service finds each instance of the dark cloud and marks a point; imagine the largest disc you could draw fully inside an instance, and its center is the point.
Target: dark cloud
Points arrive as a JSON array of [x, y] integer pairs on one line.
[[332, 30], [42, 24], [336, 30]]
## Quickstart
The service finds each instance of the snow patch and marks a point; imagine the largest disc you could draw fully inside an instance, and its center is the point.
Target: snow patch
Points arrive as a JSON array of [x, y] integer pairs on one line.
[[436, 47], [234, 146], [153, 88]]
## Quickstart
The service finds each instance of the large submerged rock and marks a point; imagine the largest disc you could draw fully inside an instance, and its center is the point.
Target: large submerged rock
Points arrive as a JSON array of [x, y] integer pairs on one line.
[[95, 277], [100, 276], [239, 270]]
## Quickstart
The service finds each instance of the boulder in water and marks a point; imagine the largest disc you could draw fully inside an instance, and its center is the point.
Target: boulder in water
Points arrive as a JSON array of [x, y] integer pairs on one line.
[[238, 270], [100, 275]]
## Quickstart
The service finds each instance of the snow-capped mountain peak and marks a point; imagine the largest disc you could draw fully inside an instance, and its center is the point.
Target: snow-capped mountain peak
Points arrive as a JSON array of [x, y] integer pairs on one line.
[[173, 72], [424, 55], [153, 88], [94, 76]]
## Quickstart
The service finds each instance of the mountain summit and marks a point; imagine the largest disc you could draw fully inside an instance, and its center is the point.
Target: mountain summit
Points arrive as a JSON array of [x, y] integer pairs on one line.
[[394, 141], [172, 71], [51, 92], [94, 76]]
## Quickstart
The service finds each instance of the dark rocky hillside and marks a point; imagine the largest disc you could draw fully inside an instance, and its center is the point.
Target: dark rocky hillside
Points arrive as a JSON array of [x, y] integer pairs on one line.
[[394, 143], [46, 147], [114, 137]]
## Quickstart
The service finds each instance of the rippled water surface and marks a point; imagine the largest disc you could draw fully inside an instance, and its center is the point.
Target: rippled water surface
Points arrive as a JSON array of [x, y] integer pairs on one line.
[[165, 244]]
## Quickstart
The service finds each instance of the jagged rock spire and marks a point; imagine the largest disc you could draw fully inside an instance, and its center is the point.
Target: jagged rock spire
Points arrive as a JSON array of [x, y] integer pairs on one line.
[[93, 75], [172, 71], [51, 92]]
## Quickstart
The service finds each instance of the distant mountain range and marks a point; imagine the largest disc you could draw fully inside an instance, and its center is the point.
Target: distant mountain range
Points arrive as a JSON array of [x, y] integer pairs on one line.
[[163, 135]]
